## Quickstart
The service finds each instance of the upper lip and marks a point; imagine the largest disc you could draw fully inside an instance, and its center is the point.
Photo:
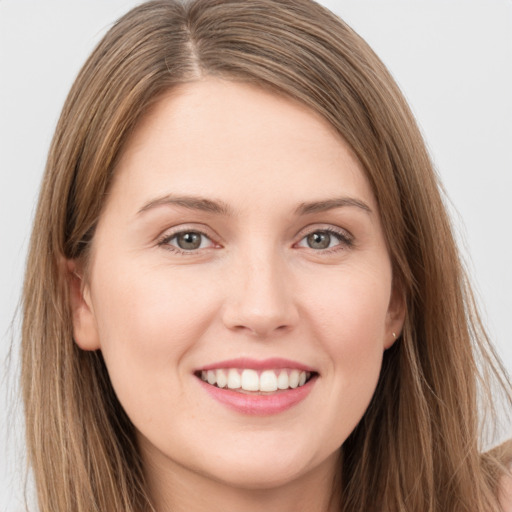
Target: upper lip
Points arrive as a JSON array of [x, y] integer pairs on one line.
[[257, 364]]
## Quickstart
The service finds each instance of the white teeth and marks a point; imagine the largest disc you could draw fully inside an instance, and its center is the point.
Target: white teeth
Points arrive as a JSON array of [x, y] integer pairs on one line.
[[234, 381], [283, 382], [250, 380], [294, 378], [222, 379], [268, 381], [211, 376]]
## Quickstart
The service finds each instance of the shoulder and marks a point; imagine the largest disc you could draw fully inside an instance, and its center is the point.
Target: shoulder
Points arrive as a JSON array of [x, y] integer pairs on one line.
[[501, 458], [505, 493]]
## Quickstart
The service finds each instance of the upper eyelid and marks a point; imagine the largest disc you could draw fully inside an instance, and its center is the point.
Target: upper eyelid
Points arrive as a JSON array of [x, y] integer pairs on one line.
[[171, 236], [312, 228], [188, 228]]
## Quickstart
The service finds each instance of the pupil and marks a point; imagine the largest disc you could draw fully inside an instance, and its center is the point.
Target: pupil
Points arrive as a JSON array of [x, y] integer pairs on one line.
[[189, 240], [319, 240]]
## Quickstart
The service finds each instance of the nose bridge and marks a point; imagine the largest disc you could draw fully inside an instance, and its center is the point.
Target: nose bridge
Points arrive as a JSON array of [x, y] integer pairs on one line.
[[260, 300]]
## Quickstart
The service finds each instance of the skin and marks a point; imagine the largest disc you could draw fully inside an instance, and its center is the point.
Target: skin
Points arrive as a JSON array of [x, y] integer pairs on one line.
[[505, 495], [255, 288]]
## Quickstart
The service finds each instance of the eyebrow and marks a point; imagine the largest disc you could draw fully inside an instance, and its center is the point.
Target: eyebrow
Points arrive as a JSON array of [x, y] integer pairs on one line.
[[330, 204], [221, 208], [190, 203]]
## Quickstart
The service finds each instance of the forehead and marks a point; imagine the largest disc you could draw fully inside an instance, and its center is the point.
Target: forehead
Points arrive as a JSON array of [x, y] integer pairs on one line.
[[214, 137]]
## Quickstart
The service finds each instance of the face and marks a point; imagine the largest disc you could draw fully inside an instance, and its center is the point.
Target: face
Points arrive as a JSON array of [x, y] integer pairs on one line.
[[239, 287]]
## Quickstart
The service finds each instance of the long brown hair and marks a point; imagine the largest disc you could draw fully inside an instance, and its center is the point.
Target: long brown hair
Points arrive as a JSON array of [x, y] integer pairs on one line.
[[418, 446]]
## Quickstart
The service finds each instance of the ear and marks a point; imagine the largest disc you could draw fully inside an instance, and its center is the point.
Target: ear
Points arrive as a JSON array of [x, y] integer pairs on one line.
[[85, 330], [395, 317]]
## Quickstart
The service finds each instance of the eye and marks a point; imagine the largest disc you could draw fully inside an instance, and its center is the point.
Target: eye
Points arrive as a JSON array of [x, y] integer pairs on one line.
[[187, 241], [322, 239]]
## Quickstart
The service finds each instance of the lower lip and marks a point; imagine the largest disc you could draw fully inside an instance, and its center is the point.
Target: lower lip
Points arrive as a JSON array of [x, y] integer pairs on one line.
[[260, 405]]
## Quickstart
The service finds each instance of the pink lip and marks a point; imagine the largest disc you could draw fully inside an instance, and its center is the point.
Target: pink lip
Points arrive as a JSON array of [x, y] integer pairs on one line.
[[260, 405], [255, 364]]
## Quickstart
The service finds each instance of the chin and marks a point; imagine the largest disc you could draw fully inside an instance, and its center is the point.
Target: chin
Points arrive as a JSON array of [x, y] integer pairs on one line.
[[267, 469], [258, 477]]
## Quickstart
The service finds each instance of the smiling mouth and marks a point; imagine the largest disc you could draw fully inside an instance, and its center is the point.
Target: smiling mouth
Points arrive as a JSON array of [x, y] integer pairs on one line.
[[252, 381]]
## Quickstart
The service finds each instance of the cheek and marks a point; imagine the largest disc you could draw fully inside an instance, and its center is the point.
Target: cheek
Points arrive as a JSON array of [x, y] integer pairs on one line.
[[146, 324], [152, 307], [350, 326], [350, 309]]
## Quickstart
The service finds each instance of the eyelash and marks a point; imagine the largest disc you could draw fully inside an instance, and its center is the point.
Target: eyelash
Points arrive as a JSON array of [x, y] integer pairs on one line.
[[345, 241], [165, 240]]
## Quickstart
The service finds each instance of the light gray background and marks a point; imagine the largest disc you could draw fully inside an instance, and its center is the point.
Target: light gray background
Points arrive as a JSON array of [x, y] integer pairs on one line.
[[452, 58]]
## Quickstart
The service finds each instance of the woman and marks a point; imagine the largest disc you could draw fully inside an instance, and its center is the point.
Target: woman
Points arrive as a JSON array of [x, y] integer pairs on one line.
[[242, 290]]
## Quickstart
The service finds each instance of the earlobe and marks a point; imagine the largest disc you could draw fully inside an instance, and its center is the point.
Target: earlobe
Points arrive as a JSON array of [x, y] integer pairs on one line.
[[85, 331]]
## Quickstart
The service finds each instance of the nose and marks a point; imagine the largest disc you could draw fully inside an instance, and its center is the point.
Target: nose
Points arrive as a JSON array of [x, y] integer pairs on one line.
[[259, 297]]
